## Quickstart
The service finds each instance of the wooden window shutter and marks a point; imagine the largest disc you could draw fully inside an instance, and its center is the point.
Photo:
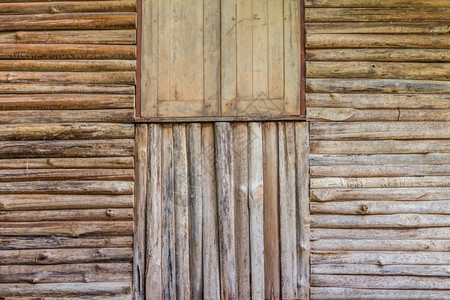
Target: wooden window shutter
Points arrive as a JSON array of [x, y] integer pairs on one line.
[[216, 58]]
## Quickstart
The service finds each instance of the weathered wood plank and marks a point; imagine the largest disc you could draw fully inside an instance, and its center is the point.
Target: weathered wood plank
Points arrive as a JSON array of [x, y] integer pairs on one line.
[[256, 205], [39, 88], [385, 245], [68, 289], [376, 3], [380, 182], [377, 85], [397, 70], [102, 272], [339, 293], [210, 251], [228, 53], [275, 56], [260, 50], [42, 202], [65, 101], [287, 206], [80, 21], [123, 214], [56, 242], [67, 7], [68, 163], [272, 208], [393, 115], [226, 210], [382, 207], [382, 159], [168, 217], [377, 282], [181, 211], [292, 49], [70, 229], [381, 258], [211, 57], [68, 187], [382, 55], [377, 130], [384, 194], [380, 147], [153, 261], [240, 147], [67, 65], [140, 204], [58, 256], [377, 27], [379, 170], [359, 40], [68, 116], [303, 204], [382, 234], [65, 131], [390, 221], [91, 148], [409, 14], [195, 187]]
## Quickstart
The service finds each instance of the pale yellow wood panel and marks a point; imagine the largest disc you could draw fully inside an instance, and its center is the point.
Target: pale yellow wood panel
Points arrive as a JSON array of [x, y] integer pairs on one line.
[[260, 47], [244, 48]]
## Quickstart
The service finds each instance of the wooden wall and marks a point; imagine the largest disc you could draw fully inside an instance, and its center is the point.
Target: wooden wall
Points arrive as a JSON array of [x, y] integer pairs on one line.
[[224, 211], [213, 58], [67, 75], [378, 101]]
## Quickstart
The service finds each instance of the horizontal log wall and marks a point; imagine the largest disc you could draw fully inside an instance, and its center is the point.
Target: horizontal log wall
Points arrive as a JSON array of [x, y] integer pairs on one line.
[[378, 101], [67, 81], [224, 211]]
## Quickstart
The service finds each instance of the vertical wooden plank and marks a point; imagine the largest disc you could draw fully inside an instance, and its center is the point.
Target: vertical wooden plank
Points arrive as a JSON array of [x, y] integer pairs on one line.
[[164, 33], [271, 218], [260, 50], [211, 288], [168, 218], [240, 147], [153, 281], [303, 218], [292, 56], [181, 198], [256, 201], [139, 206], [225, 187], [211, 53], [192, 50], [175, 49], [149, 58], [288, 234], [244, 32], [194, 159], [228, 57], [276, 49]]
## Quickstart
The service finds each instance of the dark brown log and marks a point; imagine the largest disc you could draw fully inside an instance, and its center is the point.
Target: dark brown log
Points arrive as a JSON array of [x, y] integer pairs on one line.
[[67, 65], [91, 148], [96, 21], [68, 77], [67, 7], [65, 101], [66, 51], [26, 88]]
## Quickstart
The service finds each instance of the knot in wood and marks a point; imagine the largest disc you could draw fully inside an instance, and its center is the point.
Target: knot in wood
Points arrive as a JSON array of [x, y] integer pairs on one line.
[[2, 206], [43, 256], [109, 212], [34, 280], [54, 10], [364, 209]]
